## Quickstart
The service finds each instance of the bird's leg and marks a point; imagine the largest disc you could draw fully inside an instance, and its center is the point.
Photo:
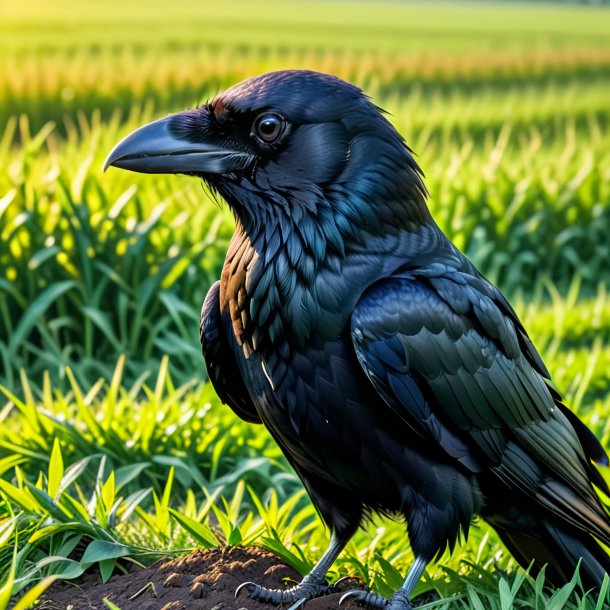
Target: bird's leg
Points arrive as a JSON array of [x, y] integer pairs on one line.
[[401, 600], [312, 585]]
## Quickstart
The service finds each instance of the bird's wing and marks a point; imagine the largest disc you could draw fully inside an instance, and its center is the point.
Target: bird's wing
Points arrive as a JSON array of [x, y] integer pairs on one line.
[[220, 360], [443, 350], [589, 441]]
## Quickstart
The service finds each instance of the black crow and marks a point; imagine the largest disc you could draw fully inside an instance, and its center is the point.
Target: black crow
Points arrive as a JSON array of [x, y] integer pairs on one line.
[[392, 374]]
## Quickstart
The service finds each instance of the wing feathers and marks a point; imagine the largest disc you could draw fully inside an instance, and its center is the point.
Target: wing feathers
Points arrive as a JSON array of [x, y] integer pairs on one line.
[[449, 355]]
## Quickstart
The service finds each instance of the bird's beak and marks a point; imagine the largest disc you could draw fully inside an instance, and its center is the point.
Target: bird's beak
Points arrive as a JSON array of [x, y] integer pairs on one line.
[[162, 148]]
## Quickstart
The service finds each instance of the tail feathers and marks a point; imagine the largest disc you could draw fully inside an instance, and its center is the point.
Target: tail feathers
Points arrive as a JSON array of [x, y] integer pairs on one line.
[[560, 548], [595, 562], [593, 449]]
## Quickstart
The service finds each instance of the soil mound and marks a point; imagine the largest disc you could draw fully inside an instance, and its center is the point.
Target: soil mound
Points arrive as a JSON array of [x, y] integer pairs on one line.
[[203, 580]]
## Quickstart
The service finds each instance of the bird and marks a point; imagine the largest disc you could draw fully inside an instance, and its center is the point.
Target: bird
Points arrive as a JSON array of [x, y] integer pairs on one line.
[[393, 375]]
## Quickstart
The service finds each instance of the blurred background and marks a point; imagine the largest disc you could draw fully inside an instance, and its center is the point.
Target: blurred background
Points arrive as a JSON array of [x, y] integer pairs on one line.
[[102, 276]]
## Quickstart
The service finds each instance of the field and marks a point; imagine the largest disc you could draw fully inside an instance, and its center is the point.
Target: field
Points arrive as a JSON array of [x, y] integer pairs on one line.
[[113, 449]]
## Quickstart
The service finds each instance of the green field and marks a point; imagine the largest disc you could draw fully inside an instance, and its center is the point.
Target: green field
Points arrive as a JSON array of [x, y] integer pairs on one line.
[[108, 431]]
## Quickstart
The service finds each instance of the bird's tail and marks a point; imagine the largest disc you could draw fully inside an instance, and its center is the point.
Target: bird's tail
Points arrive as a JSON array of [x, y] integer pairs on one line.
[[559, 546], [555, 516]]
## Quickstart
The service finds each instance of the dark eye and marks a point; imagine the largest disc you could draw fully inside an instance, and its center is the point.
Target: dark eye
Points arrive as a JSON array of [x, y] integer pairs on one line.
[[269, 127]]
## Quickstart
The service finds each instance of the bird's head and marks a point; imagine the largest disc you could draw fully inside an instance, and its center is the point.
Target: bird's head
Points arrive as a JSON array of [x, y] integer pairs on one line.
[[285, 143]]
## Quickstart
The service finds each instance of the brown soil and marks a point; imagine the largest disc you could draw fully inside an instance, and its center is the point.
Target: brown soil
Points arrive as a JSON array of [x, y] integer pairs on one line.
[[203, 580]]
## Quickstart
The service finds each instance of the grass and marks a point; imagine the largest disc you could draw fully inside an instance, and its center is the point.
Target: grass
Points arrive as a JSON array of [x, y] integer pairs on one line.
[[112, 447]]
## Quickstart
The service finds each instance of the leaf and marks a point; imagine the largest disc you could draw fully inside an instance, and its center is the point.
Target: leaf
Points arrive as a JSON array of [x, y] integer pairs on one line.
[[161, 379], [168, 488], [603, 592], [560, 597], [235, 537], [73, 472], [107, 568], [446, 603], [22, 498], [288, 556], [69, 568], [46, 503], [71, 527], [474, 599], [179, 464], [83, 408], [392, 576], [34, 593], [6, 590], [102, 321], [101, 550], [56, 471], [43, 255], [34, 312], [200, 532], [132, 501], [506, 598], [7, 528]]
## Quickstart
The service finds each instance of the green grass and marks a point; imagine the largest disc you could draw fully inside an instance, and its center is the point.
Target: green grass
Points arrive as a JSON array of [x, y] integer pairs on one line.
[[112, 447]]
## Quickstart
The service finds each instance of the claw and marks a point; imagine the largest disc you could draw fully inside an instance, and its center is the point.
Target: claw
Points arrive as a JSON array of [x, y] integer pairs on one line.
[[342, 579], [365, 597], [298, 604], [244, 584], [346, 596]]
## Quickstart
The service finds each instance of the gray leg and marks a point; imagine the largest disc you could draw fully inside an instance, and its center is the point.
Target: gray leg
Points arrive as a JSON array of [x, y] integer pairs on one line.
[[401, 599], [313, 585], [318, 572]]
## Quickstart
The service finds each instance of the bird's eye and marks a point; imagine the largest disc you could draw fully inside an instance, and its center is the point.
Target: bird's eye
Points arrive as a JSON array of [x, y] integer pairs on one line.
[[269, 127]]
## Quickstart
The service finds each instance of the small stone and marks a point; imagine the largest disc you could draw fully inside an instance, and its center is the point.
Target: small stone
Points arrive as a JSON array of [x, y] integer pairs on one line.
[[197, 590], [177, 580]]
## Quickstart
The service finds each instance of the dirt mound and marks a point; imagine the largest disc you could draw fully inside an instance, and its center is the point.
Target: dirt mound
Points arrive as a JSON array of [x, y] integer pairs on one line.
[[203, 580]]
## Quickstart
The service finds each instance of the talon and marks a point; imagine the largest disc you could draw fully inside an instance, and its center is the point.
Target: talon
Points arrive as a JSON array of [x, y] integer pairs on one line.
[[342, 579], [400, 601], [349, 594], [297, 596], [245, 584], [365, 597]]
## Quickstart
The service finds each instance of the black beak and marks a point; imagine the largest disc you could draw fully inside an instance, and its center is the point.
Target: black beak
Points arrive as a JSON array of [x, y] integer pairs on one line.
[[161, 148]]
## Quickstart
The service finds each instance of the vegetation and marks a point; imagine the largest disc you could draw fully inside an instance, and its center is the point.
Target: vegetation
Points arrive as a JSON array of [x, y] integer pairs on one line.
[[112, 447]]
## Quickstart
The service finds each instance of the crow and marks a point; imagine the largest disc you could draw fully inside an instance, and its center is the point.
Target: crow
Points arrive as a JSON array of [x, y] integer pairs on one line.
[[394, 377]]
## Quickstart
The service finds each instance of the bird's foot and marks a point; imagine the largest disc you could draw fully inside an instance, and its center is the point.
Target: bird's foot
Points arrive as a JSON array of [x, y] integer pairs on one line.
[[296, 596], [400, 600]]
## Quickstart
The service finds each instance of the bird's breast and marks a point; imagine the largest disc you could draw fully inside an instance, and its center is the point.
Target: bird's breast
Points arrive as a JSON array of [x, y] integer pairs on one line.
[[277, 297]]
